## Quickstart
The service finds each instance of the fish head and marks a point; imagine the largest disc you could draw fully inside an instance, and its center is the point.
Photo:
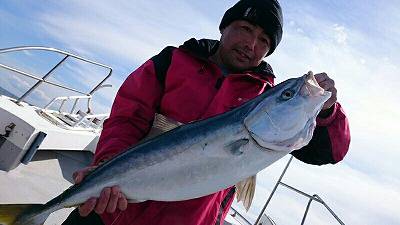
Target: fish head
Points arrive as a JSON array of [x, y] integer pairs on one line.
[[286, 118]]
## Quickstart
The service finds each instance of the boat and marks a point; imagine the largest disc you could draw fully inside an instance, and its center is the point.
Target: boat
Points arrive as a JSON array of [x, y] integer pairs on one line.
[[41, 146]]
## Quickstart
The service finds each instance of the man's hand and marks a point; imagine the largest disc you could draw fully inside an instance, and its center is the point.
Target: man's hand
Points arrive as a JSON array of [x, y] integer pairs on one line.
[[110, 198], [328, 85]]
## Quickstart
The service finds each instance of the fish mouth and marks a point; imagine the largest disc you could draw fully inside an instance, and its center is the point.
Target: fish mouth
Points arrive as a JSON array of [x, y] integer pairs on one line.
[[310, 86]]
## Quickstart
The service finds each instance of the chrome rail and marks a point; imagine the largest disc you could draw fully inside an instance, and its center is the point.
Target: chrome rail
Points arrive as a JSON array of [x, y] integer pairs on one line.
[[49, 73], [37, 78], [64, 99], [311, 198], [237, 214]]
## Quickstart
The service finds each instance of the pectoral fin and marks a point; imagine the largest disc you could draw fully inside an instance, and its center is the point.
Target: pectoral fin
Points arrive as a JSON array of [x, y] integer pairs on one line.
[[245, 191], [236, 147]]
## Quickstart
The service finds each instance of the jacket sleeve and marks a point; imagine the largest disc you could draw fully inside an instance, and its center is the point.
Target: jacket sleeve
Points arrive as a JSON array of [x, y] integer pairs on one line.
[[132, 112], [330, 141]]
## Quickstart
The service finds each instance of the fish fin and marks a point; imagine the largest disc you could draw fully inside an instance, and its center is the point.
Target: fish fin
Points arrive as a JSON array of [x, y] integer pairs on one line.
[[235, 147], [135, 201], [161, 124], [22, 214], [164, 123], [245, 191]]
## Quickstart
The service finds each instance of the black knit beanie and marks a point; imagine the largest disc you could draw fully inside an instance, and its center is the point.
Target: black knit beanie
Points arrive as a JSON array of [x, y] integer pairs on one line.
[[265, 13]]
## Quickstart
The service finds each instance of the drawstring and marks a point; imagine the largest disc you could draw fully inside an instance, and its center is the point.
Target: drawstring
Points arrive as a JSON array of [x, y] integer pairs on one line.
[[202, 69], [116, 218]]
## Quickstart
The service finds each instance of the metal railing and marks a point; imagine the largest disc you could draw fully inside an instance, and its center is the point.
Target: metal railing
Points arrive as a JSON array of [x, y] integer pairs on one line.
[[65, 99], [239, 217], [43, 79], [311, 198]]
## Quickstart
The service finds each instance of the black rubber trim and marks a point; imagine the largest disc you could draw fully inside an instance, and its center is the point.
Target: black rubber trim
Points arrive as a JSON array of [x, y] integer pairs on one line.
[[33, 148], [224, 203], [162, 62], [2, 140]]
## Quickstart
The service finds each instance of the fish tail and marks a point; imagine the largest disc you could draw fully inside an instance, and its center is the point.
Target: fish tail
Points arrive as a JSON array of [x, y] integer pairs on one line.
[[23, 214]]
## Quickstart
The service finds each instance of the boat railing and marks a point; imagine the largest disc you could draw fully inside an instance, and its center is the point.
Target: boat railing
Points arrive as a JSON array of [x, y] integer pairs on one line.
[[238, 217], [44, 79], [311, 198], [75, 119], [63, 100]]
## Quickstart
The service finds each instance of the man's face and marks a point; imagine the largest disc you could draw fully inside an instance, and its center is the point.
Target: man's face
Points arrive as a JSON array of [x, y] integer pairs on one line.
[[243, 45]]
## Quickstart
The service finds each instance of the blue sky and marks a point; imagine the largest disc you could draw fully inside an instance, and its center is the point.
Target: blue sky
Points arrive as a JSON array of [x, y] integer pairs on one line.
[[354, 41]]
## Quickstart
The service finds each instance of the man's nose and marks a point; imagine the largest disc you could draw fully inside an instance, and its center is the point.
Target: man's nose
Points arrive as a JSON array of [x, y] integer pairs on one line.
[[251, 42]]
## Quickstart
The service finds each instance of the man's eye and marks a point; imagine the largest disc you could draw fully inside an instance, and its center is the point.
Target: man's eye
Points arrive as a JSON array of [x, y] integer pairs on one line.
[[264, 40], [246, 28]]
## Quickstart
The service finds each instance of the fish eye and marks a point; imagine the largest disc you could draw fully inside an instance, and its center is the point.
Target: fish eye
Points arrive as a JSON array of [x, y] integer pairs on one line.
[[287, 94]]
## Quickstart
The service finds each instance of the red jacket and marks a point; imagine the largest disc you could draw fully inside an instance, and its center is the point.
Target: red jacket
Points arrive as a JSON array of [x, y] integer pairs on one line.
[[194, 88]]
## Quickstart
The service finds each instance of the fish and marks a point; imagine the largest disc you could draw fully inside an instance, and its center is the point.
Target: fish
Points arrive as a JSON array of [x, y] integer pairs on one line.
[[201, 157]]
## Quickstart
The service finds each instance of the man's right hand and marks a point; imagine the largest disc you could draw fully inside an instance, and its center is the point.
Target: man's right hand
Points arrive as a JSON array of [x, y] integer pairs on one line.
[[109, 200]]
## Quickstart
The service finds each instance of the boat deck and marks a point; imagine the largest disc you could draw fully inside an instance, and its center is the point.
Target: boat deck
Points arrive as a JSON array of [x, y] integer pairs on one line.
[[47, 175]]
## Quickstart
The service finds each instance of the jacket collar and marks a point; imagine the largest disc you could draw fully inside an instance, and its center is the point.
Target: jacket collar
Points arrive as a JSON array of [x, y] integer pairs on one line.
[[204, 48]]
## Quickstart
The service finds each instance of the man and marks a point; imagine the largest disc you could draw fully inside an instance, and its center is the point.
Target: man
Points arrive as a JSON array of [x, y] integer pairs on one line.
[[200, 79]]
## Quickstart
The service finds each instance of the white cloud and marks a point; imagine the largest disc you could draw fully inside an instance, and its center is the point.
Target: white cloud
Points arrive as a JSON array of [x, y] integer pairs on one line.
[[129, 31], [341, 35]]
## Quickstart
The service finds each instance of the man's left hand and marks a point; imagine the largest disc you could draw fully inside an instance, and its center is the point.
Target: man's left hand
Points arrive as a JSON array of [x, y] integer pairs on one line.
[[328, 85]]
